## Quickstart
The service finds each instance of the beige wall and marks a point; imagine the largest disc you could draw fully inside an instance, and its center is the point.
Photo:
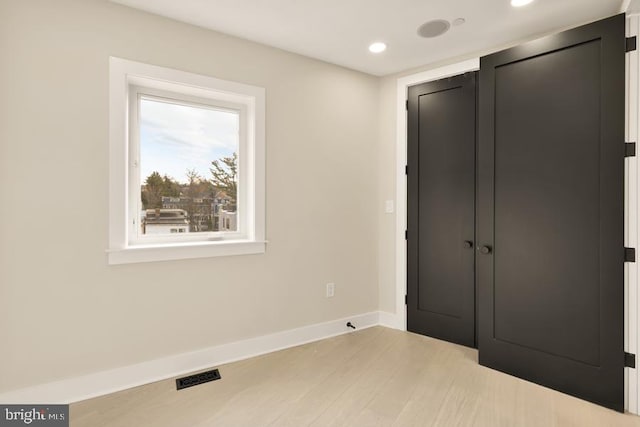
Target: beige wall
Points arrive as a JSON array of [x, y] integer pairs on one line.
[[387, 191], [63, 311]]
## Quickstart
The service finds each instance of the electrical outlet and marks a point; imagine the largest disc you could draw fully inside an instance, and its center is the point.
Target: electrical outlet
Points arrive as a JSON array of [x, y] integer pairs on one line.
[[331, 288]]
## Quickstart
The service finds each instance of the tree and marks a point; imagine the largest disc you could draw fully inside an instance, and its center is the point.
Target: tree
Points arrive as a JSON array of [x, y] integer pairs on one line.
[[199, 213], [152, 192], [157, 186], [225, 176], [170, 187]]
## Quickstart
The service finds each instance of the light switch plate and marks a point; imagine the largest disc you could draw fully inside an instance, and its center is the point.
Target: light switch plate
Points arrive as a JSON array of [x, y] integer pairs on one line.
[[388, 206]]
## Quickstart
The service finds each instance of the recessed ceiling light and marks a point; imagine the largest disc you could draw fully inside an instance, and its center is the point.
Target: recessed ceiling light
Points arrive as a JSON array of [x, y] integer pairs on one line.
[[519, 3], [434, 28], [458, 21], [377, 47]]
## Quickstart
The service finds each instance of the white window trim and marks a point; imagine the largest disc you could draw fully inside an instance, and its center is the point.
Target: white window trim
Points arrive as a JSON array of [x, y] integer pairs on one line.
[[123, 75]]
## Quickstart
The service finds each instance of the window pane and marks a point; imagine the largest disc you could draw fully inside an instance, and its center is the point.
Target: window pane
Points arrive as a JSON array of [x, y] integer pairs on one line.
[[188, 168]]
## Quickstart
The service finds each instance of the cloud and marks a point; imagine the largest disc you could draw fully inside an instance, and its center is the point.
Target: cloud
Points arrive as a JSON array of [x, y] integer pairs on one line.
[[177, 137]]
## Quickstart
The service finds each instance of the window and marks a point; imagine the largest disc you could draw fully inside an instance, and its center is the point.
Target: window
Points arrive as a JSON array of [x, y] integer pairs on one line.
[[186, 165], [184, 157]]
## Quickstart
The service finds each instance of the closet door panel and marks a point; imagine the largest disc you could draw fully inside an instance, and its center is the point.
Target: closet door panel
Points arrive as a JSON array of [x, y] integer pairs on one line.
[[550, 217]]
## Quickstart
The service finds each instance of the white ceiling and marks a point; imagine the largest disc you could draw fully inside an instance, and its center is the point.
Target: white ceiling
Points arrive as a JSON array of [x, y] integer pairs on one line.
[[339, 31]]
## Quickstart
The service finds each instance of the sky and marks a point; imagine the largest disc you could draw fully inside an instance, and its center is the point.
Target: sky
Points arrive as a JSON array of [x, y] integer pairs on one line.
[[174, 138]]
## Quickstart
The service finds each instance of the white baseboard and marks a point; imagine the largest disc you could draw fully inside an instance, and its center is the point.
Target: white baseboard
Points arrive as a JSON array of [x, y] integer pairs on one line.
[[105, 382], [391, 320]]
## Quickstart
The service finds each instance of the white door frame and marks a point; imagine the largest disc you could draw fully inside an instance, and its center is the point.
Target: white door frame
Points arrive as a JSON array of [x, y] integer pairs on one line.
[[632, 184]]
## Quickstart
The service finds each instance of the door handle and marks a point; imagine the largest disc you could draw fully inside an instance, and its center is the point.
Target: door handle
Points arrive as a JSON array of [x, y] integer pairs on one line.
[[485, 249], [468, 244]]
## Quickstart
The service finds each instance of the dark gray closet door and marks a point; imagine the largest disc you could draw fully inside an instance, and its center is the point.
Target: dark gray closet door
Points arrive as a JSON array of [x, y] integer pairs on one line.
[[441, 209], [550, 212]]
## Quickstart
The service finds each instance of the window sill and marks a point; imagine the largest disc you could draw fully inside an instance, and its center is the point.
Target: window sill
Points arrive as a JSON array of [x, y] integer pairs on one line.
[[177, 251]]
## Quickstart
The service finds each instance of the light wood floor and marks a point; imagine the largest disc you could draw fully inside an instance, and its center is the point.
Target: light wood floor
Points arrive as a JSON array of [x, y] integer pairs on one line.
[[373, 377]]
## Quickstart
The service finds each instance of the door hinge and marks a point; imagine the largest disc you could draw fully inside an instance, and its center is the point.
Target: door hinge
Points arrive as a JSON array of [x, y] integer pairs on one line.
[[406, 170], [629, 254], [406, 104], [629, 360], [406, 299], [406, 234], [630, 44], [629, 149]]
